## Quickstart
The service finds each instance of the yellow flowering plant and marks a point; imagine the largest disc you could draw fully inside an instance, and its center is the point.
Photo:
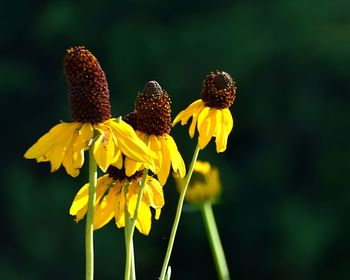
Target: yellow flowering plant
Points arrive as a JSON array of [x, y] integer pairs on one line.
[[212, 118], [136, 154], [108, 140]]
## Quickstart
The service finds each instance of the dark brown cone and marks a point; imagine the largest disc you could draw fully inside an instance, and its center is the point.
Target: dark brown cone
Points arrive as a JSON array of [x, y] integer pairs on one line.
[[153, 110], [87, 87], [219, 90], [119, 174]]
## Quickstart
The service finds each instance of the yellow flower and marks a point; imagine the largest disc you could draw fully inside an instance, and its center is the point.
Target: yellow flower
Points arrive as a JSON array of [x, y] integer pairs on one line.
[[115, 190], [65, 143], [211, 114], [204, 185], [153, 125]]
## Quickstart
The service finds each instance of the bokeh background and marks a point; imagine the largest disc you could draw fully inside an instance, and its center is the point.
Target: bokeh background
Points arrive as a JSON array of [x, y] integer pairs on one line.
[[284, 212]]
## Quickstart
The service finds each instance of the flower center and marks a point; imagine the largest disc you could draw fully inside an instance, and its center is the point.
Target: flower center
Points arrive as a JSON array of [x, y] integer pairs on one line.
[[87, 87], [219, 90], [153, 110], [119, 174]]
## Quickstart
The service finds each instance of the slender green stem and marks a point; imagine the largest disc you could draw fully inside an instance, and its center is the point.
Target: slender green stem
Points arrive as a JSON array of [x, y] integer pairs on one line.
[[215, 243], [178, 214], [89, 239], [130, 223], [128, 249]]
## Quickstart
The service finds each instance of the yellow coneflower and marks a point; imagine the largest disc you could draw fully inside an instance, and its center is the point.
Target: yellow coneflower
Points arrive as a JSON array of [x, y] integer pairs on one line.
[[204, 186], [153, 125], [111, 199], [66, 142], [211, 113]]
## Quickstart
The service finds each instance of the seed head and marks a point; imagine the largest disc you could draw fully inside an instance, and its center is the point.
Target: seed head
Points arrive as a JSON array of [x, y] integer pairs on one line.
[[153, 110], [219, 90], [87, 86]]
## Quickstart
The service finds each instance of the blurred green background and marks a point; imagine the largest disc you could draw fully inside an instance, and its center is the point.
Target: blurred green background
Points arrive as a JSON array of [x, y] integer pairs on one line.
[[284, 213]]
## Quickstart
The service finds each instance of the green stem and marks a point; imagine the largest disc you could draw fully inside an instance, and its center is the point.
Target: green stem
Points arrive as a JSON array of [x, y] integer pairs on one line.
[[130, 223], [178, 214], [89, 241], [128, 249], [215, 243]]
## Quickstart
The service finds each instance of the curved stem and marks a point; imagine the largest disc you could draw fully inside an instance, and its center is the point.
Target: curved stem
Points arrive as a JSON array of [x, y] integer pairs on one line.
[[215, 242], [130, 223], [178, 214], [89, 228]]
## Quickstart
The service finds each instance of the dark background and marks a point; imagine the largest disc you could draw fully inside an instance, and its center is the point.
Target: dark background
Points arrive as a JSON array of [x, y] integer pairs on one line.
[[284, 213]]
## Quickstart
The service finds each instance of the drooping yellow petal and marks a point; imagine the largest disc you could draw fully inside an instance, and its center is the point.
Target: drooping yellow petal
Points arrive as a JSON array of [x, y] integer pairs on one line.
[[85, 134], [156, 146], [45, 142], [153, 193], [79, 205], [203, 126], [131, 166], [175, 156], [117, 161], [62, 142], [119, 207], [184, 115], [68, 159], [157, 215], [129, 143], [104, 147], [223, 130], [104, 211], [228, 120], [164, 170], [193, 125], [144, 216]]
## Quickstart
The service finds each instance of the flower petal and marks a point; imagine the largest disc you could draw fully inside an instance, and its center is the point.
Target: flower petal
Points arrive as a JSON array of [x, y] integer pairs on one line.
[[119, 207], [164, 170], [131, 166], [79, 205], [61, 144], [104, 147], [45, 142], [175, 156], [153, 193], [104, 211], [129, 143], [85, 134], [223, 130], [203, 126], [184, 115]]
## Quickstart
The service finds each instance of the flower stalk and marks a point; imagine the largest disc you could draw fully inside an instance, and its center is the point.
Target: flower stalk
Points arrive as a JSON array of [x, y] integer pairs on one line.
[[178, 215], [215, 242], [130, 223], [89, 239]]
